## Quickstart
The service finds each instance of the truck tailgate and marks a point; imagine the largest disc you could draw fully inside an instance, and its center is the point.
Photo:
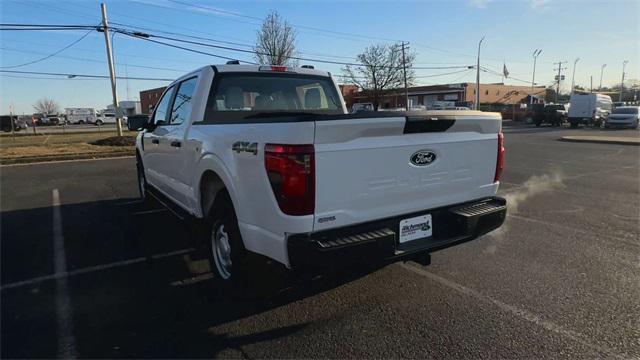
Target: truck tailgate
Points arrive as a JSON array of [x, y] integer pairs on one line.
[[364, 167]]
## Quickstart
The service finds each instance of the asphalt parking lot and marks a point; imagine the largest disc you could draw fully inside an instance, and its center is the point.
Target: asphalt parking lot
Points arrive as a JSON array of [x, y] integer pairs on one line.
[[101, 275]]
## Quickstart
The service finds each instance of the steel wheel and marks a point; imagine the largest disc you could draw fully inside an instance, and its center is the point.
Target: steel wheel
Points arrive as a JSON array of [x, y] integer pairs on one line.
[[221, 249]]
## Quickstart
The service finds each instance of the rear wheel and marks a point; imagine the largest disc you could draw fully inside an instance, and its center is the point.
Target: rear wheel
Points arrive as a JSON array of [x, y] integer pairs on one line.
[[99, 122], [227, 255], [574, 123]]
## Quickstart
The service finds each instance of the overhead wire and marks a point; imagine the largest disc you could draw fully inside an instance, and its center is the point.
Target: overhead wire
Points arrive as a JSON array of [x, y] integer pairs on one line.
[[72, 76], [50, 55]]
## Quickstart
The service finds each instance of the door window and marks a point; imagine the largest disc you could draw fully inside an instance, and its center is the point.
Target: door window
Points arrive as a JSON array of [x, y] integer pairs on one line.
[[181, 110], [160, 116]]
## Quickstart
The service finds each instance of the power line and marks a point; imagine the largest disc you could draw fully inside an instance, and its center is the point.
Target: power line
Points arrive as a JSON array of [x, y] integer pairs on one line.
[[181, 47], [294, 25], [50, 55], [72, 76], [147, 36]]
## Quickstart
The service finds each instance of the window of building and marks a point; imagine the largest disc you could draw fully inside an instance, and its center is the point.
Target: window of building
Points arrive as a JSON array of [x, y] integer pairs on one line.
[[486, 92]]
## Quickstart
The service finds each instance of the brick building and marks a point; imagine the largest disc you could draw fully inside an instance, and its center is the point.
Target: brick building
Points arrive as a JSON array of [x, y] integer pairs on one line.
[[462, 94], [149, 99]]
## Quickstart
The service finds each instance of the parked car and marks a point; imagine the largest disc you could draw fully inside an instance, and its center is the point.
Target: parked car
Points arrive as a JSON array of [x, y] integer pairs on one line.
[[139, 118], [80, 115], [623, 116], [269, 162], [589, 109], [361, 107], [554, 115], [6, 123], [527, 113]]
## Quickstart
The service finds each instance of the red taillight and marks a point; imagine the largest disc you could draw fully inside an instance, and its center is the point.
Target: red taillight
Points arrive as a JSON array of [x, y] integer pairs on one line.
[[500, 159], [291, 172]]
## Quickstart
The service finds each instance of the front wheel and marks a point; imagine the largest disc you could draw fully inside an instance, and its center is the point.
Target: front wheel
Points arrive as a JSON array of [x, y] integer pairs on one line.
[[142, 180], [99, 123]]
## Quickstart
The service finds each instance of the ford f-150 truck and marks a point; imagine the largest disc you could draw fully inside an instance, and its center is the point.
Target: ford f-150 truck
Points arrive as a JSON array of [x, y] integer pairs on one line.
[[269, 159]]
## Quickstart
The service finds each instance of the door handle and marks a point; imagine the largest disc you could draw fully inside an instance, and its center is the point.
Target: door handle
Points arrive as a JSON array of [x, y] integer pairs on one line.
[[176, 144], [155, 141]]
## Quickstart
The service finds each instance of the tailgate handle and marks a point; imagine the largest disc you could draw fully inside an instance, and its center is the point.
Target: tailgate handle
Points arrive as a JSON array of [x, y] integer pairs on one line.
[[425, 124]]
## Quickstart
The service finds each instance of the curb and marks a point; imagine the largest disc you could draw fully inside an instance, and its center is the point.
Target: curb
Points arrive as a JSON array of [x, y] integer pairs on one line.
[[65, 157], [622, 141]]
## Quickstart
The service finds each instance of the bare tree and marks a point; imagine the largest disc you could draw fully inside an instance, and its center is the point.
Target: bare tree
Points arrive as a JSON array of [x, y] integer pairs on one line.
[[381, 70], [275, 42], [46, 106]]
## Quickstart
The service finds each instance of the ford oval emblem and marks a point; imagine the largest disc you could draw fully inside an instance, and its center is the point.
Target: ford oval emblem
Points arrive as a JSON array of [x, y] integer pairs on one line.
[[422, 157]]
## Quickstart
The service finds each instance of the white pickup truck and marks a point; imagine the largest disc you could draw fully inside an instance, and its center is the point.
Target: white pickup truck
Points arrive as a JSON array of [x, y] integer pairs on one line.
[[269, 159]]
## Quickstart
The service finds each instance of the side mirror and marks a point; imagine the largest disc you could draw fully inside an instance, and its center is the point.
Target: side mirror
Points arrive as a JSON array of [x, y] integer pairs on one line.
[[137, 122]]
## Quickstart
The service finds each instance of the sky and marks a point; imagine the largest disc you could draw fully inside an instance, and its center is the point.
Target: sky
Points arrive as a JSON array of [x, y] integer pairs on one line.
[[441, 33]]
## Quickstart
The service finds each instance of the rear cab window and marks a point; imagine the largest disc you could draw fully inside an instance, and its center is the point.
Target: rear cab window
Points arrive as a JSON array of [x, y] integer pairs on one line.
[[244, 96]]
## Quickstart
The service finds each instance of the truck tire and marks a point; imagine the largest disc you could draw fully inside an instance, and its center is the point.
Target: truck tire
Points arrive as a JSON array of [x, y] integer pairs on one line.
[[142, 180], [574, 123], [227, 255], [99, 122]]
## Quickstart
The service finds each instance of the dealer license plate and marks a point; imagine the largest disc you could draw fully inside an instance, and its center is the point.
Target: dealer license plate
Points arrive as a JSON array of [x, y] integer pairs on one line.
[[415, 228]]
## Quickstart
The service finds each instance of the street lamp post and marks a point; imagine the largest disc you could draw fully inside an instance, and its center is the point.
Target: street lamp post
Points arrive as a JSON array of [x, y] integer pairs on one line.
[[601, 72], [533, 79], [624, 65], [573, 77], [478, 76]]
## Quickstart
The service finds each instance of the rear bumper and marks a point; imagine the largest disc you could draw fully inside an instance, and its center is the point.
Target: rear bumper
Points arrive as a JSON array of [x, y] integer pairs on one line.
[[377, 241]]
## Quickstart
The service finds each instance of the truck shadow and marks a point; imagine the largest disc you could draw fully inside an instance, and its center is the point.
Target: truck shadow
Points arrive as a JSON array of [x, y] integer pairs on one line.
[[137, 289]]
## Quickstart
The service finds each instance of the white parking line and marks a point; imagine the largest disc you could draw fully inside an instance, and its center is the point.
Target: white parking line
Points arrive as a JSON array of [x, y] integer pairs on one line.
[[91, 269], [521, 313], [64, 310]]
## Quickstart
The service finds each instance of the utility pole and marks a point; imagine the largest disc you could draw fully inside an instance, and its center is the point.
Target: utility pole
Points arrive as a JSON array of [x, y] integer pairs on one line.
[[404, 73], [478, 77], [533, 79], [573, 77], [559, 78], [601, 71], [624, 65], [112, 70], [591, 88]]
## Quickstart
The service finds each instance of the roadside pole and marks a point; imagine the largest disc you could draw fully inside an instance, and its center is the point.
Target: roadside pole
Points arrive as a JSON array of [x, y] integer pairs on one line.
[[601, 72], [533, 79], [404, 73], [477, 107], [13, 130], [624, 65], [573, 77], [559, 78], [112, 70]]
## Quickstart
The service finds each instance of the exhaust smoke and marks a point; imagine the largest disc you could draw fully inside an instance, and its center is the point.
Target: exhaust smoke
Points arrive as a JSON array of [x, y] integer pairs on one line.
[[537, 184]]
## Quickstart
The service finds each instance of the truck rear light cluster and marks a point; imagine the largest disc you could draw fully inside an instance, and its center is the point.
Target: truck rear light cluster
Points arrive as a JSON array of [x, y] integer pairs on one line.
[[500, 159], [273, 68], [291, 172]]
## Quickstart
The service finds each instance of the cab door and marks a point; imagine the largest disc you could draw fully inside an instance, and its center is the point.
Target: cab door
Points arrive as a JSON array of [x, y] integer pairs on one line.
[[175, 154], [152, 140]]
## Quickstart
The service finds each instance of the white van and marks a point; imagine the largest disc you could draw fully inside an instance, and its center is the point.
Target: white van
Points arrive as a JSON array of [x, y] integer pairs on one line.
[[590, 109]]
